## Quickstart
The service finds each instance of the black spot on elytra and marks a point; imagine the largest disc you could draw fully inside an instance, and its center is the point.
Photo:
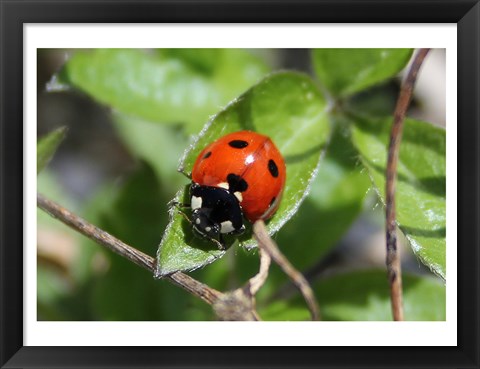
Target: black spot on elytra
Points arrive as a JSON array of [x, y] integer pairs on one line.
[[207, 155], [238, 144], [236, 183], [272, 168]]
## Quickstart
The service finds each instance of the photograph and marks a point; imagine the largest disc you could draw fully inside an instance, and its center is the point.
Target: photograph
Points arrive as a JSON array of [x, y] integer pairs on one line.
[[240, 184]]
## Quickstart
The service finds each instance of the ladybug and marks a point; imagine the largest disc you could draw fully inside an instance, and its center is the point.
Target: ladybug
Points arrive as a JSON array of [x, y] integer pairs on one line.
[[241, 175]]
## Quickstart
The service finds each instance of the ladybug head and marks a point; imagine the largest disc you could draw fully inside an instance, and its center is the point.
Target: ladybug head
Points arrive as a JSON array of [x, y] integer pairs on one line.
[[215, 211], [203, 223]]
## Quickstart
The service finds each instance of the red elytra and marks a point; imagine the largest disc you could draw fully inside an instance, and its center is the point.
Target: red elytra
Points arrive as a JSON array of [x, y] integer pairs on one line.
[[254, 160]]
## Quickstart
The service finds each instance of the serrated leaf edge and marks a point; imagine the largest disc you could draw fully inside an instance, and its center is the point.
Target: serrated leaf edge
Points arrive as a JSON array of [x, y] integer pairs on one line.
[[251, 244], [414, 245]]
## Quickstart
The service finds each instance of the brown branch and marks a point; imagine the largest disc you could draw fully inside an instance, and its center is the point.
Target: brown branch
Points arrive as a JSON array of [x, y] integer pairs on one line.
[[240, 303], [265, 243], [260, 278], [394, 270], [236, 305], [196, 288]]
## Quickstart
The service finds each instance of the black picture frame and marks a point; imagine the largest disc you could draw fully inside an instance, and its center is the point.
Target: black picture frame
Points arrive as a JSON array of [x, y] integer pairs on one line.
[[14, 14]]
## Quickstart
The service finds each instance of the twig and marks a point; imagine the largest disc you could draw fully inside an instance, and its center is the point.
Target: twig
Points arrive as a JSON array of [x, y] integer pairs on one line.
[[196, 288], [265, 243], [236, 305], [258, 280], [240, 303], [393, 259]]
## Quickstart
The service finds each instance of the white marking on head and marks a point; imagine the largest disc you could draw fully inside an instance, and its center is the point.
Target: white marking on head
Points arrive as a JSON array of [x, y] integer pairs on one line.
[[196, 202], [223, 185], [208, 229], [197, 221], [226, 227], [239, 196]]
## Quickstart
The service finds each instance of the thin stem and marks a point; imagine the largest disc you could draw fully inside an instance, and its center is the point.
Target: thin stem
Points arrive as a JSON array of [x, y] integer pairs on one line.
[[265, 243], [196, 288], [260, 278], [394, 270], [239, 304]]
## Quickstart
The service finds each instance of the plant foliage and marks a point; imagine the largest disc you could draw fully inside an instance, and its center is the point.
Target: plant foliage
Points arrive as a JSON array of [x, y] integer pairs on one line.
[[332, 127]]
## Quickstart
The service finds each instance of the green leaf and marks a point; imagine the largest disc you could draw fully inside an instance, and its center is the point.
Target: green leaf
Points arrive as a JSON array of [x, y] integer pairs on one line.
[[288, 108], [378, 101], [344, 72], [47, 145], [336, 199], [159, 145], [184, 86], [365, 296], [227, 69], [420, 192]]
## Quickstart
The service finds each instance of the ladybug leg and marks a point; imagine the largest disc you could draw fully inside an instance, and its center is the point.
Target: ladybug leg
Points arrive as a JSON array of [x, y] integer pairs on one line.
[[184, 215], [177, 204], [220, 243], [182, 170]]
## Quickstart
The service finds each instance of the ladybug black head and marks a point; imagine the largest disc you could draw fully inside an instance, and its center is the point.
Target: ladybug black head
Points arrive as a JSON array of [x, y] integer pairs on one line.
[[202, 223], [215, 211]]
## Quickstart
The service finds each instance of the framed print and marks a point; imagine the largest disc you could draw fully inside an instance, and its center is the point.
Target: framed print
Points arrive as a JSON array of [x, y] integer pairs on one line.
[[118, 98]]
